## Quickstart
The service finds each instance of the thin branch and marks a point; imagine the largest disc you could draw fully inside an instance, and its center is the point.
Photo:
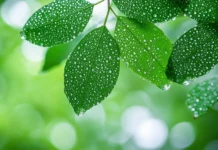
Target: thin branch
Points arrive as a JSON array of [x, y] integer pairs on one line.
[[108, 12], [113, 12], [98, 2]]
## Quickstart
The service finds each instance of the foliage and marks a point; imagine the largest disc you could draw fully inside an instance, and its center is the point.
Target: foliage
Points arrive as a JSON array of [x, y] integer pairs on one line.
[[92, 68], [200, 97]]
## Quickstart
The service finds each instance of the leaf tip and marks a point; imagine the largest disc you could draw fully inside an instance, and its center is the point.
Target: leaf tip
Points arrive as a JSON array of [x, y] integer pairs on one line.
[[166, 86], [79, 111], [195, 117], [22, 35]]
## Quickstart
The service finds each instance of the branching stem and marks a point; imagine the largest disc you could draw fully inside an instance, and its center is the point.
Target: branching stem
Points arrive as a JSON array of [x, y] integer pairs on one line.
[[108, 12], [98, 2], [113, 12], [109, 8]]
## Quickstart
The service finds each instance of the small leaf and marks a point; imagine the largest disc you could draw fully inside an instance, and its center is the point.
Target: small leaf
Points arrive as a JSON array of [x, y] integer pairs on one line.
[[55, 55], [92, 70], [203, 10], [194, 54], [57, 22], [149, 10], [203, 96], [145, 49]]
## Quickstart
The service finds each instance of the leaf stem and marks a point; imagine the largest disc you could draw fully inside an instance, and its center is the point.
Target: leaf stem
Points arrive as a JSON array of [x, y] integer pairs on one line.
[[108, 11], [113, 12], [98, 2]]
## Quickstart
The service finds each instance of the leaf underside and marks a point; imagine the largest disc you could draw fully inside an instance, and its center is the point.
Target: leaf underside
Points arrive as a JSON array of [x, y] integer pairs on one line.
[[149, 10], [57, 22], [144, 48], [92, 70], [194, 54], [203, 96]]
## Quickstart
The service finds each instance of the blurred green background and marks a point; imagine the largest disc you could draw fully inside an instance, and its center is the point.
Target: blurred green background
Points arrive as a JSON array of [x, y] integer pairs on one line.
[[35, 114]]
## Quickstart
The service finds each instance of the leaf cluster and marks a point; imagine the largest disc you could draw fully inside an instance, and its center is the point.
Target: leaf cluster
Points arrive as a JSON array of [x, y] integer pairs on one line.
[[92, 68]]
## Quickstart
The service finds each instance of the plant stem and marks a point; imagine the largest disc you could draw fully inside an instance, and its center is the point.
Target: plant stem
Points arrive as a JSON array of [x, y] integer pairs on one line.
[[98, 2], [108, 11], [113, 12]]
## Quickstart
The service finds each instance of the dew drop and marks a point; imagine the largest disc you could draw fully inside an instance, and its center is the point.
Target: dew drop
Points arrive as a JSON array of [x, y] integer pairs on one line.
[[166, 87], [127, 64], [81, 112], [186, 82], [196, 115], [22, 35]]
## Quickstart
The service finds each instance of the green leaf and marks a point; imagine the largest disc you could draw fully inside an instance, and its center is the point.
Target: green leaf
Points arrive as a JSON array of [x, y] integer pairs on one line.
[[145, 49], [92, 70], [202, 10], [194, 54], [55, 55], [57, 22], [203, 96], [181, 3], [1, 1], [148, 10]]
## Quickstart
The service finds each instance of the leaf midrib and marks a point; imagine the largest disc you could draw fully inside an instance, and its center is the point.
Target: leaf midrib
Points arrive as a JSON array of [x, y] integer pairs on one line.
[[84, 96]]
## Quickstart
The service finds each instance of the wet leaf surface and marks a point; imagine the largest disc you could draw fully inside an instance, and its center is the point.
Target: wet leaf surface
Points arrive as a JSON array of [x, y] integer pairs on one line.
[[149, 10], [202, 10], [194, 54], [203, 96], [57, 22], [92, 70], [145, 49]]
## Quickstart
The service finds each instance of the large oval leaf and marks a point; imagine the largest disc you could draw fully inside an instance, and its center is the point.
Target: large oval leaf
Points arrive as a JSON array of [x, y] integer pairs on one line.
[[144, 48], [57, 22], [92, 70], [203, 96], [194, 54], [202, 10], [149, 10]]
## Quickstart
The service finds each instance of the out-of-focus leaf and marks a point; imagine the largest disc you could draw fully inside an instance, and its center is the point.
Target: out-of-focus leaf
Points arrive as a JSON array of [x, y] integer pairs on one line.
[[92, 70], [203, 96], [8, 40], [203, 10], [57, 22], [194, 54], [1, 1], [55, 55], [149, 10], [145, 49]]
